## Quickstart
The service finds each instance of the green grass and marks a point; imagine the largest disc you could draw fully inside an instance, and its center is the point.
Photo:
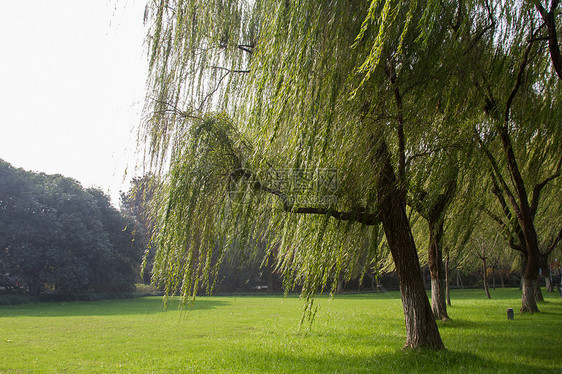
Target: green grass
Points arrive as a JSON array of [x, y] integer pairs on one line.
[[352, 333]]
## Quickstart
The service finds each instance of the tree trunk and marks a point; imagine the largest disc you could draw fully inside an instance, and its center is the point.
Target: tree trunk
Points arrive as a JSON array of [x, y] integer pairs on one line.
[[528, 300], [447, 288], [459, 280], [484, 277], [549, 17], [525, 217], [501, 280], [339, 285], [494, 277], [436, 271], [373, 281], [538, 293], [269, 282], [426, 286], [421, 328], [545, 267], [35, 288], [270, 268], [549, 287]]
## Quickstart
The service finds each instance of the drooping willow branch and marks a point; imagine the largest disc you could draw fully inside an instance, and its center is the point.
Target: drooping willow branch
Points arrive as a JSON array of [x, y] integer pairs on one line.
[[357, 215]]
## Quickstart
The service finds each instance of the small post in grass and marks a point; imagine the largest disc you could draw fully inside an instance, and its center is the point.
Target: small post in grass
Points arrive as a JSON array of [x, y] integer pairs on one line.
[[509, 313]]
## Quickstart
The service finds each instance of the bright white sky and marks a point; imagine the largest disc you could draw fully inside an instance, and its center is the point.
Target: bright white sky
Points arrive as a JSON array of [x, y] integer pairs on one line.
[[72, 80]]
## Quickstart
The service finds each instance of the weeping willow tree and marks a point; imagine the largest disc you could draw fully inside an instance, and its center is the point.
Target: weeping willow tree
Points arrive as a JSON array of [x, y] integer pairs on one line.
[[519, 130], [430, 199], [295, 121]]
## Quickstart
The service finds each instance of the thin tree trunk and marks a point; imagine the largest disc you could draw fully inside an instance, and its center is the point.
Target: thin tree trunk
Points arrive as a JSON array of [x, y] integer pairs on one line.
[[545, 267], [373, 281], [424, 278], [436, 271], [374, 284], [501, 279], [484, 277], [549, 287], [447, 288], [270, 268], [421, 328], [269, 282], [459, 280]]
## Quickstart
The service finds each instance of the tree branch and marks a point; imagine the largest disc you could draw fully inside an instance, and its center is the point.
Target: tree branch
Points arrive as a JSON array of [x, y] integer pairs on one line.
[[356, 215], [499, 195], [431, 151], [498, 220], [391, 73], [248, 48], [515, 226], [522, 209], [517, 247], [230, 70], [518, 83], [555, 242], [416, 203], [549, 19], [538, 188], [496, 173], [217, 86]]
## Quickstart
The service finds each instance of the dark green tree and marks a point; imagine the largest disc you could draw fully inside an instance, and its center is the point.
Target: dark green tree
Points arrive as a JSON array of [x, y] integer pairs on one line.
[[136, 205], [121, 267], [55, 235]]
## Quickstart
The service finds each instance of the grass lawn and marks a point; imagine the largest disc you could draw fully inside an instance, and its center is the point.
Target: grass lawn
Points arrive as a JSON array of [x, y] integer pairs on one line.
[[351, 333]]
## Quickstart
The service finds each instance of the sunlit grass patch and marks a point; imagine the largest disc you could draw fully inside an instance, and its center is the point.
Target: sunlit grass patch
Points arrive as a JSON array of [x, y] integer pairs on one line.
[[351, 333]]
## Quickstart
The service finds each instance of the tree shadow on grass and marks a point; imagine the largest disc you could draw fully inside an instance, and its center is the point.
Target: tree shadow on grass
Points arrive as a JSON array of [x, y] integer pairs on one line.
[[458, 323], [143, 305], [551, 313], [422, 361]]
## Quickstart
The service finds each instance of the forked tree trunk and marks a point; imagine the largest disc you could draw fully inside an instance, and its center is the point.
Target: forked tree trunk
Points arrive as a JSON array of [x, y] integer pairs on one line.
[[524, 212], [421, 328], [437, 273]]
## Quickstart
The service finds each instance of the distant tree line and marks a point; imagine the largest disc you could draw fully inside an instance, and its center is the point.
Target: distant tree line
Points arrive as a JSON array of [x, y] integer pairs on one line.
[[57, 236]]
